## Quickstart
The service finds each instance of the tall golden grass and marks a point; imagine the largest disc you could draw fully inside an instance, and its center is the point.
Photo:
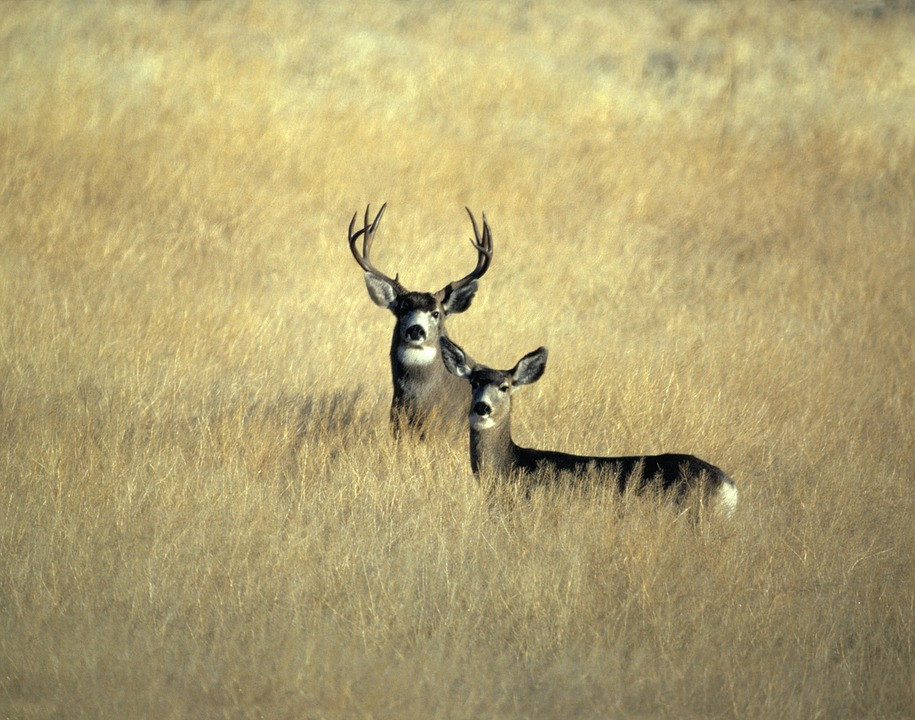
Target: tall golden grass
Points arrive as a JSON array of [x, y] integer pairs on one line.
[[705, 210]]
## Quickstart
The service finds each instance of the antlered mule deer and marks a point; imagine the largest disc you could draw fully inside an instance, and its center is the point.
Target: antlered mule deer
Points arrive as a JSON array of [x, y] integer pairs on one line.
[[492, 449], [423, 390]]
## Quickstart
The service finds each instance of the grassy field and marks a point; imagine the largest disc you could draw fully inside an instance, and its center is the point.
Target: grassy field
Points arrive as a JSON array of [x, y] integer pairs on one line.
[[705, 210]]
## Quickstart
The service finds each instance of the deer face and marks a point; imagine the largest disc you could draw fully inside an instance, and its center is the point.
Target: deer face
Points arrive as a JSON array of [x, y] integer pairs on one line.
[[490, 403], [491, 397], [420, 324], [420, 316]]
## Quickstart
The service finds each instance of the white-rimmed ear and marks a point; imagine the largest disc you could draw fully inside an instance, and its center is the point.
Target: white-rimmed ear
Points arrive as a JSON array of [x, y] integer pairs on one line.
[[381, 290], [530, 368], [455, 359], [457, 301]]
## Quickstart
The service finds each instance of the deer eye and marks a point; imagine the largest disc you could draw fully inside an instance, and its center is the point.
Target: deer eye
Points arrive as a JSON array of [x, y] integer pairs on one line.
[[503, 388], [435, 314]]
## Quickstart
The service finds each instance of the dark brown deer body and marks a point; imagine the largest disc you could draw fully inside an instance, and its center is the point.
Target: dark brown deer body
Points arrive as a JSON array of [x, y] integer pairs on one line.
[[425, 394], [493, 451]]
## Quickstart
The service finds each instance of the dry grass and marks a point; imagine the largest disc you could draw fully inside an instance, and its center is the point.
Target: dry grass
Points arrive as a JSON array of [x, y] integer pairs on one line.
[[705, 210]]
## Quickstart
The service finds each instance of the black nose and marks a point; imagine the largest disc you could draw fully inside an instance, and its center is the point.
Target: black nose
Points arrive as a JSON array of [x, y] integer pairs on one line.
[[415, 332], [481, 409]]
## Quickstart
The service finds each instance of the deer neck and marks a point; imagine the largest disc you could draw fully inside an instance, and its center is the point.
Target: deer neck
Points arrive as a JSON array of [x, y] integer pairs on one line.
[[492, 450], [425, 389], [415, 365]]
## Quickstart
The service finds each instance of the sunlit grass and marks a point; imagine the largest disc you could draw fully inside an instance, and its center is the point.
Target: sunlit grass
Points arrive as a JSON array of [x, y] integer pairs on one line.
[[705, 211]]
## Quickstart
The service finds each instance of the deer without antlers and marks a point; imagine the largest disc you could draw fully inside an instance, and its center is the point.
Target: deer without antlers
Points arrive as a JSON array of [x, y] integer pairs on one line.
[[423, 390], [492, 449]]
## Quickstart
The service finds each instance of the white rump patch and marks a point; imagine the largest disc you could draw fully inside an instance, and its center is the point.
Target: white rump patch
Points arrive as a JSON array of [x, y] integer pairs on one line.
[[727, 499], [416, 354]]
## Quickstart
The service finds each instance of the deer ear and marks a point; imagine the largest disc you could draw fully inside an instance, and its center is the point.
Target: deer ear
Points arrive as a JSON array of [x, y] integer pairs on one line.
[[530, 368], [457, 301], [455, 359], [382, 292]]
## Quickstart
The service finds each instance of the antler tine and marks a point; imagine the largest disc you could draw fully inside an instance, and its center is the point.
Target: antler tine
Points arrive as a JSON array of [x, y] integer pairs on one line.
[[473, 221], [483, 245], [368, 235]]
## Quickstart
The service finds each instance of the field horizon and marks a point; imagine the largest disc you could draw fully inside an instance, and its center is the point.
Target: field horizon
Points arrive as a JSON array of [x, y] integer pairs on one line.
[[706, 211]]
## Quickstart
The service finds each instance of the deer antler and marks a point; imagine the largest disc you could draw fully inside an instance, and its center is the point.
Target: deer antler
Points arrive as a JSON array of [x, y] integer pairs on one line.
[[483, 245], [368, 235]]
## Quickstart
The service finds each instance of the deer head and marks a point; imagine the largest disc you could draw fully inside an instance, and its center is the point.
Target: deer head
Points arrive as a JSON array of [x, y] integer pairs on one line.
[[491, 389], [417, 371]]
